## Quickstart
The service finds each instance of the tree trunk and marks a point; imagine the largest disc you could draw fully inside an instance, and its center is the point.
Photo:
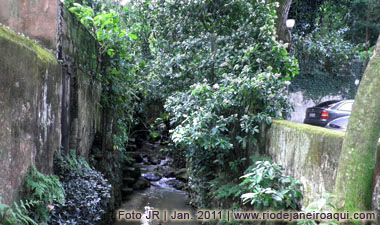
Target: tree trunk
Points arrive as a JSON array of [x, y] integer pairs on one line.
[[357, 161], [282, 15]]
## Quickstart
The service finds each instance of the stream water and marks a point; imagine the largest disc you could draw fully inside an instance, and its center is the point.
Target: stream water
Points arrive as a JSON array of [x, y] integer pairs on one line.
[[160, 200], [157, 198]]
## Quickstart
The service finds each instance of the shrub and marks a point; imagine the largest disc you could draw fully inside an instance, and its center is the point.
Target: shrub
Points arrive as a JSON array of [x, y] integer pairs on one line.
[[270, 188], [321, 205], [87, 192], [325, 52]]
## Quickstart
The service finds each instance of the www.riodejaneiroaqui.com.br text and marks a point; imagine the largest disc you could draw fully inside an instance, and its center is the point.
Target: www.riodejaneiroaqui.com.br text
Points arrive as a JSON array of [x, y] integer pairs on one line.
[[228, 215]]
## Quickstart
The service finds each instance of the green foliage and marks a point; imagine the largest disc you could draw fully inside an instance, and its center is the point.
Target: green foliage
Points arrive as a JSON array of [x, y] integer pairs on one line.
[[329, 63], [87, 192], [325, 52], [40, 192], [331, 42], [118, 43], [364, 55], [43, 191], [229, 190], [75, 163], [216, 65], [359, 17], [305, 13], [270, 188], [363, 20], [19, 214], [225, 75], [322, 205]]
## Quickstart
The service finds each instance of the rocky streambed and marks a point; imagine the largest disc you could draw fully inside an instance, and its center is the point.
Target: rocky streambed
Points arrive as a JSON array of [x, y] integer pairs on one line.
[[153, 191]]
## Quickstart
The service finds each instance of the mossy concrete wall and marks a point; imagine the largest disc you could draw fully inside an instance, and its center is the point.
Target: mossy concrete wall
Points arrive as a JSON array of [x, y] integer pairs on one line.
[[82, 92], [309, 153], [43, 102], [30, 109], [54, 27]]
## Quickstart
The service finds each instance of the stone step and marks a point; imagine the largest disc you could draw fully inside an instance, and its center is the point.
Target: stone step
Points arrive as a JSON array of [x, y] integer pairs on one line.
[[129, 169], [128, 180], [126, 190], [135, 155], [98, 156], [131, 146]]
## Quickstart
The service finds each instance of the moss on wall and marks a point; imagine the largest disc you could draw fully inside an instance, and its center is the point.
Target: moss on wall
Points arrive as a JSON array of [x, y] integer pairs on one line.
[[30, 109], [309, 153], [41, 53], [80, 54]]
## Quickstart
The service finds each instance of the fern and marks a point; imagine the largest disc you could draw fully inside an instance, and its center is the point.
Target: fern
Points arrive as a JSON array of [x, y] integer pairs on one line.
[[47, 189], [41, 191], [21, 212], [75, 163], [230, 190], [18, 215]]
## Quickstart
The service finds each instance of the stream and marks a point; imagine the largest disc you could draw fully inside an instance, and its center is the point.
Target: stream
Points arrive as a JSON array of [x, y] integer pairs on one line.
[[160, 199]]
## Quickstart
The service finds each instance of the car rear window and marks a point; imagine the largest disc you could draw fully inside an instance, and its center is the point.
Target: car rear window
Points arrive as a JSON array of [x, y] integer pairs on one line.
[[346, 107]]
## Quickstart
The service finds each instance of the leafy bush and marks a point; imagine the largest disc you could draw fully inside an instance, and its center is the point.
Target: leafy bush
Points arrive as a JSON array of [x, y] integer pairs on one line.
[[324, 51], [329, 64], [87, 192], [270, 188], [322, 205], [42, 191], [229, 188]]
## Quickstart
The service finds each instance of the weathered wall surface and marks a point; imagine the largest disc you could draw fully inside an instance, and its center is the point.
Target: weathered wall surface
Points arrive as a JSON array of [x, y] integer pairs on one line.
[[30, 109], [35, 18], [43, 102], [78, 51], [310, 154]]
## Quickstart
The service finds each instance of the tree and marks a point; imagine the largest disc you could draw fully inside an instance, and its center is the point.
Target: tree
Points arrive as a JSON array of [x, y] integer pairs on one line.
[[354, 180], [305, 13], [237, 74], [282, 15]]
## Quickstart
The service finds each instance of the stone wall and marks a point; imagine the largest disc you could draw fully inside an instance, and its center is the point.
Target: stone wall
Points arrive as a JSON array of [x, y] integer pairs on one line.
[[309, 153], [82, 92], [44, 105], [54, 27], [30, 110], [34, 18]]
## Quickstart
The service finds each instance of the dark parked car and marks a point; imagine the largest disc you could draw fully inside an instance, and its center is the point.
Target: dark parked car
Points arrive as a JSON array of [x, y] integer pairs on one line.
[[325, 112], [339, 124]]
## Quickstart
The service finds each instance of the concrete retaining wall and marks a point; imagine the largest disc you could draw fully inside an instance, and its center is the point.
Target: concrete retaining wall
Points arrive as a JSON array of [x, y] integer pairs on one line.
[[309, 153], [49, 99], [30, 110], [81, 91]]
